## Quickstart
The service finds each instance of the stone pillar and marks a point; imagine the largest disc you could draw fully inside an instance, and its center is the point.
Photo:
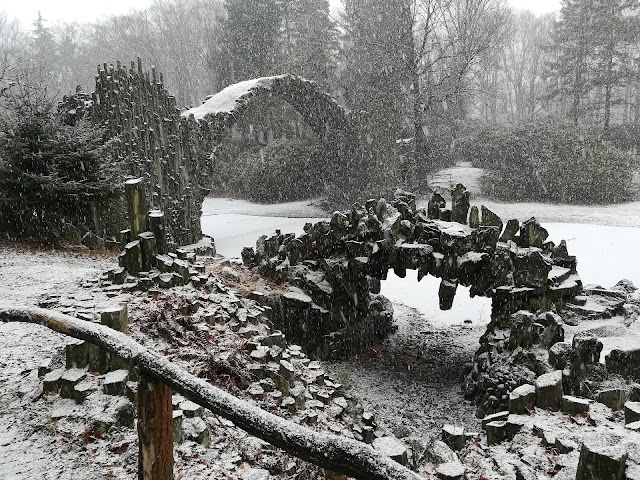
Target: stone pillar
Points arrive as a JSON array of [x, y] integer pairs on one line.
[[510, 231], [136, 206], [474, 217], [602, 457], [436, 203], [490, 219], [132, 257], [147, 250], [460, 204], [157, 227], [124, 238], [115, 317]]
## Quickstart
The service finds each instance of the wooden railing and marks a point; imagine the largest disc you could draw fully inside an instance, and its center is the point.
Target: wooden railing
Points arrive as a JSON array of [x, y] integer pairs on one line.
[[158, 377]]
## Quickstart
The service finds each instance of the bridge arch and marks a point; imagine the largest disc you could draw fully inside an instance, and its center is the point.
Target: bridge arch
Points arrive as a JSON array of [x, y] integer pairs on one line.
[[335, 267], [172, 149], [330, 121], [319, 110]]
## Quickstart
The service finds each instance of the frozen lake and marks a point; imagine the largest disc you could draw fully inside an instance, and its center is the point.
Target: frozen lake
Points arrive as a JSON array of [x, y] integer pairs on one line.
[[605, 254]]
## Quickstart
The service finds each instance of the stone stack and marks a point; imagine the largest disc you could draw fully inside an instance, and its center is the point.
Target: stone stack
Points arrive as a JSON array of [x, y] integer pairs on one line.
[[523, 349], [167, 150], [95, 378], [146, 259], [336, 267], [172, 150]]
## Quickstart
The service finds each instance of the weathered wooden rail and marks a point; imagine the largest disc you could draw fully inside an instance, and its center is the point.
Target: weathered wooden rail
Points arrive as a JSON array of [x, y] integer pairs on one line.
[[158, 376]]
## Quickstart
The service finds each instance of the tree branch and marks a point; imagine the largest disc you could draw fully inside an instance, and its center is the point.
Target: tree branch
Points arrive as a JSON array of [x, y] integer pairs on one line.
[[339, 454]]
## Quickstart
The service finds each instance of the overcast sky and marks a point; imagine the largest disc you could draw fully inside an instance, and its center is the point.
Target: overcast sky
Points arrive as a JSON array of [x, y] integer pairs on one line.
[[88, 10]]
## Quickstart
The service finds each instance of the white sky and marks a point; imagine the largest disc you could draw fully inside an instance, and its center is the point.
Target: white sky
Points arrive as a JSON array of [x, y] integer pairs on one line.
[[67, 10], [538, 6], [87, 10]]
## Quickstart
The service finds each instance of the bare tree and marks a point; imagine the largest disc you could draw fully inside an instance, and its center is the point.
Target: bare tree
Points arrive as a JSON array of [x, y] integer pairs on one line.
[[452, 36], [523, 58], [14, 55]]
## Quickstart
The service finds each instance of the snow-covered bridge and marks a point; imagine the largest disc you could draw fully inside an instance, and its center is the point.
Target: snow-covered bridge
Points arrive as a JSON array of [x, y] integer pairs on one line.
[[173, 149], [323, 114]]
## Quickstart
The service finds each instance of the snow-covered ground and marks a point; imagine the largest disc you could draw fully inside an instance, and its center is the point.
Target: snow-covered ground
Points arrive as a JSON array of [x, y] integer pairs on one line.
[[25, 277], [411, 380], [28, 274], [616, 215], [447, 178]]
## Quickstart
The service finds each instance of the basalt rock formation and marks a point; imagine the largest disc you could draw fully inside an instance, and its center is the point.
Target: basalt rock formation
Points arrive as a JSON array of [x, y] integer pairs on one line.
[[336, 267]]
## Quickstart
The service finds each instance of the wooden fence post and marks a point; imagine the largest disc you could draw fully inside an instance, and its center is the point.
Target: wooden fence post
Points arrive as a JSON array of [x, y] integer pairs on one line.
[[155, 430]]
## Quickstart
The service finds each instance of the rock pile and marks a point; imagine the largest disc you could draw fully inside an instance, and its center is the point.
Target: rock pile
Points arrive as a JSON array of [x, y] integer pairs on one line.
[[592, 444], [336, 267], [239, 339], [100, 383], [587, 442], [147, 258], [527, 346]]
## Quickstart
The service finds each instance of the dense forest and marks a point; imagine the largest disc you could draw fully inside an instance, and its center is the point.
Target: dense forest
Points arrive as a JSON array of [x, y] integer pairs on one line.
[[548, 105], [434, 63]]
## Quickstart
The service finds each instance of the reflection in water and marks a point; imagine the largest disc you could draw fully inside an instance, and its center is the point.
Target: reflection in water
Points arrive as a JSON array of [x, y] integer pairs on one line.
[[423, 296]]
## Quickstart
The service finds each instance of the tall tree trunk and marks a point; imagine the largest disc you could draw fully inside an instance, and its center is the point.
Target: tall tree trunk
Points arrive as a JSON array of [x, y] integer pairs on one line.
[[287, 30], [532, 90], [575, 109], [597, 101], [608, 89], [636, 110], [627, 101], [418, 121]]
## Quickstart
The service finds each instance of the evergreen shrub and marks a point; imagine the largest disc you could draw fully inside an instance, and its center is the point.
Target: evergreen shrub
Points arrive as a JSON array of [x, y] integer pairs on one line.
[[51, 173], [284, 170], [550, 163]]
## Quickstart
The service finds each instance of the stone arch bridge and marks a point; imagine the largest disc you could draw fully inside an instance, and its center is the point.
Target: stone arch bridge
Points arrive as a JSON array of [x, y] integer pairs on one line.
[[334, 269], [171, 149], [338, 264], [329, 277]]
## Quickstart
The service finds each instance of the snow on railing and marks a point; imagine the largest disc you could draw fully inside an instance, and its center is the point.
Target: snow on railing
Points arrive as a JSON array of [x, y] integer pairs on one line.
[[158, 376]]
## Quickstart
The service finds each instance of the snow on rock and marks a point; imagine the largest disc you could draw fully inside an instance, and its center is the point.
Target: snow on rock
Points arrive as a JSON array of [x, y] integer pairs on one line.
[[255, 474], [451, 471], [392, 448], [453, 228], [602, 456], [227, 99]]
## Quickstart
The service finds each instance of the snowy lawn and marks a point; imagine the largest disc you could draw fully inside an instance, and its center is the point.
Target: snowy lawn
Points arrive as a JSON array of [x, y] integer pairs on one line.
[[232, 232]]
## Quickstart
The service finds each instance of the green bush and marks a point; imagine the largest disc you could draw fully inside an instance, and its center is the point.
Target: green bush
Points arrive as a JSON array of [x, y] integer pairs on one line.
[[625, 137], [281, 171], [543, 162], [51, 174]]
